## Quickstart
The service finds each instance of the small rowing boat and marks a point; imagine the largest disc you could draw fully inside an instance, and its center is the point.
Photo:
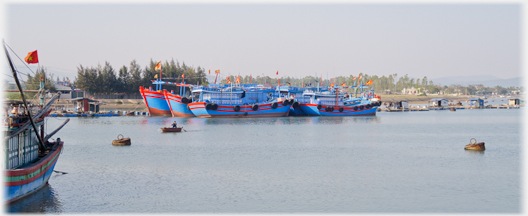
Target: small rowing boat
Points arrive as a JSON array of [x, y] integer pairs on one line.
[[171, 129]]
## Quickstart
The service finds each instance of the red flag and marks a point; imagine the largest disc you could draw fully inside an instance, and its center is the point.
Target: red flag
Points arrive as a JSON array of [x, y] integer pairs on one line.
[[369, 82], [228, 81], [343, 85], [238, 79], [277, 72], [217, 71], [209, 71], [32, 57], [360, 76], [158, 66], [183, 76], [354, 78], [332, 85]]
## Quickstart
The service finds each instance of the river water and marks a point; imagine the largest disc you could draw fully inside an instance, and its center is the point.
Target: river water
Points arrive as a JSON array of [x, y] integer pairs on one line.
[[410, 162]]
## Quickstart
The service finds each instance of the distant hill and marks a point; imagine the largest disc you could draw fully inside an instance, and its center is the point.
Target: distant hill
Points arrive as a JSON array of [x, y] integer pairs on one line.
[[486, 80]]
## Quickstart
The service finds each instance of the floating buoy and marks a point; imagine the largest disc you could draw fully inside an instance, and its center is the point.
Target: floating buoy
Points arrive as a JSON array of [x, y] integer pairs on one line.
[[121, 141], [473, 145]]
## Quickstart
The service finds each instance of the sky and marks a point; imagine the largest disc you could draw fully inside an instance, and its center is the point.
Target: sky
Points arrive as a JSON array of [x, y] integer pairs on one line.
[[296, 39]]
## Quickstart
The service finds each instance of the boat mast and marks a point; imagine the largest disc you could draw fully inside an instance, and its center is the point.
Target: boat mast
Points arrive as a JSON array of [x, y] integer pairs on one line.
[[41, 90], [41, 144]]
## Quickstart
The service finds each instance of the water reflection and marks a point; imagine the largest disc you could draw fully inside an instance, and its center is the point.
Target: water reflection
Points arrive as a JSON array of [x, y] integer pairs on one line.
[[285, 120], [473, 152], [45, 200]]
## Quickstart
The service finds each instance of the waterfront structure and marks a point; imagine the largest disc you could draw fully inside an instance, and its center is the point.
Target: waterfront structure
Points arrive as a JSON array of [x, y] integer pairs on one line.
[[438, 103], [478, 102]]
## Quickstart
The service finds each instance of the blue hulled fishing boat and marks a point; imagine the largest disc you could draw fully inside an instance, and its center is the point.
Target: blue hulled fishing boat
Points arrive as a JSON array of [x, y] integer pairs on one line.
[[334, 104], [238, 102], [155, 102]]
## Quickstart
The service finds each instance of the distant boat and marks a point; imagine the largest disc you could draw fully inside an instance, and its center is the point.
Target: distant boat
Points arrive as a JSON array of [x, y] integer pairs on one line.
[[171, 129], [29, 155]]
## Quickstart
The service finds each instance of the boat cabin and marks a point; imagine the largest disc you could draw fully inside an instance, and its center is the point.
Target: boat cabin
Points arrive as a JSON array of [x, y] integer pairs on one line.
[[233, 95]]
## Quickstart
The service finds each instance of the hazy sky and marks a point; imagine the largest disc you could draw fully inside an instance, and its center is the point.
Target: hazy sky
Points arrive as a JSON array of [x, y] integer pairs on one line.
[[433, 40]]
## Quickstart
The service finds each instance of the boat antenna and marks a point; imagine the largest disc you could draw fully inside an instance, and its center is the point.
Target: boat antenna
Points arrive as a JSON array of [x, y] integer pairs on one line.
[[41, 144]]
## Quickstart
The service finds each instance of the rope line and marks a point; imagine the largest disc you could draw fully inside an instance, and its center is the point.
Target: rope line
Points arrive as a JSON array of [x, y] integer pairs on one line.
[[20, 60]]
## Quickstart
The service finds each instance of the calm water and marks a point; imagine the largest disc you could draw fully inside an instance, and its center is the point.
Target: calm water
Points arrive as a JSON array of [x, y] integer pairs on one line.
[[412, 162]]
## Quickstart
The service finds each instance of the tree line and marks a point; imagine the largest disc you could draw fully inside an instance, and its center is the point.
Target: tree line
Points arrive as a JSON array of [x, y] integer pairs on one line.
[[383, 84], [104, 79]]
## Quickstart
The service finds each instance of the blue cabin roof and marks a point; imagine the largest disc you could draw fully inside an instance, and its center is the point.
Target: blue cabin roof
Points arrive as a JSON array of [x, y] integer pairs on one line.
[[475, 99], [437, 99]]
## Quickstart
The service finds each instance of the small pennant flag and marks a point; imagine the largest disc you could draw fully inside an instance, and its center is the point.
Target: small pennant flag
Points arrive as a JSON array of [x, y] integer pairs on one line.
[[332, 85], [183, 75], [155, 76], [209, 71], [158, 66], [217, 71], [343, 85], [238, 79], [228, 81], [277, 72], [354, 78], [369, 82], [360, 77], [32, 57]]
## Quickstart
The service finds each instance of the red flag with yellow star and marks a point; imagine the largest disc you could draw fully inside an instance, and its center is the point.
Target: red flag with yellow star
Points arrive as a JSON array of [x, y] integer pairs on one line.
[[32, 57]]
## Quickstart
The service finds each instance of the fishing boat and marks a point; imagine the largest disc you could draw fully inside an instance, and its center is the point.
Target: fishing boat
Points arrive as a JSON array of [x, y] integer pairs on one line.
[[155, 102], [171, 129], [334, 104], [178, 104], [30, 155], [296, 93], [238, 102]]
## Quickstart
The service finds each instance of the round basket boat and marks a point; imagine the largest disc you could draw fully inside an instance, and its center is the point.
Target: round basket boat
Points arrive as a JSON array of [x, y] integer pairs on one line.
[[473, 145], [121, 141]]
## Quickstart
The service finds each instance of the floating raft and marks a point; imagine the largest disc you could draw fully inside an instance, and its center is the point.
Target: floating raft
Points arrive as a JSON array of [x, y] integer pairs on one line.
[[121, 141]]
